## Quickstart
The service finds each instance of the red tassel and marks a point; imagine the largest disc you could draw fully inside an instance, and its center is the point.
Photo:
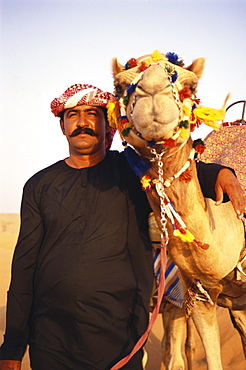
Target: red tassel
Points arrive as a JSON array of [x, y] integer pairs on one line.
[[186, 175], [169, 143], [204, 246], [143, 66], [185, 93]]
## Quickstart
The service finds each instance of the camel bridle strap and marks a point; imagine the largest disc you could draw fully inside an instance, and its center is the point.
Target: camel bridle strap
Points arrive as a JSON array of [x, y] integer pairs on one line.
[[163, 220], [167, 209]]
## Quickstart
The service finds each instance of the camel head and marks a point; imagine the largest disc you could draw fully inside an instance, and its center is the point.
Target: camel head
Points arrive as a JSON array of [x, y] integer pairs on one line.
[[156, 95]]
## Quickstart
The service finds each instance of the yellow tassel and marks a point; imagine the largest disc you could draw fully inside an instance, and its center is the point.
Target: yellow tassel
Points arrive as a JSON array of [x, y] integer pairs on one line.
[[210, 116], [112, 114], [186, 111], [127, 125], [149, 61], [146, 181], [185, 236], [184, 132], [156, 55]]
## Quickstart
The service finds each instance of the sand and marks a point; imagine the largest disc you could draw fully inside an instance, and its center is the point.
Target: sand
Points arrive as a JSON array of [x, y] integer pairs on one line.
[[231, 348]]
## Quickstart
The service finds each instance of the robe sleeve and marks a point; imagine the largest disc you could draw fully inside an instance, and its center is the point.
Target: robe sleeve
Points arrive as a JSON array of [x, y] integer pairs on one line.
[[207, 175], [20, 294]]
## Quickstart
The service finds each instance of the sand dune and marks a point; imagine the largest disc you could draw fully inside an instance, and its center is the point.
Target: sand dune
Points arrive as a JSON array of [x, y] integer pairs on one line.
[[232, 354]]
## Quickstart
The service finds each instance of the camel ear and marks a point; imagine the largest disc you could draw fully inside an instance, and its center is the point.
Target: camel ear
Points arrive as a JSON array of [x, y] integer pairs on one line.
[[116, 67], [197, 67]]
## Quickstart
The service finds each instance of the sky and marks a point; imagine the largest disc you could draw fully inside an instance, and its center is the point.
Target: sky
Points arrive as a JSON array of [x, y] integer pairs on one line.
[[48, 45]]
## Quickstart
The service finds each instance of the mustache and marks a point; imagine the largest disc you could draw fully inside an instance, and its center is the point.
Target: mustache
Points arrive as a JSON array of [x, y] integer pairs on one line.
[[85, 130]]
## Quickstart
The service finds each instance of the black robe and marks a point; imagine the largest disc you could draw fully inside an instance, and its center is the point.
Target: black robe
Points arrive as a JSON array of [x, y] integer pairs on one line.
[[82, 272]]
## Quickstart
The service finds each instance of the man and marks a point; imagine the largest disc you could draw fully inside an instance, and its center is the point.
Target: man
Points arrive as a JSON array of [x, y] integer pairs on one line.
[[82, 272]]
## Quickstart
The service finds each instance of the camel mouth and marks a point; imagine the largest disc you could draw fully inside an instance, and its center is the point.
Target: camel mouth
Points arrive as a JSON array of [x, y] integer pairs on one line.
[[154, 116], [157, 131]]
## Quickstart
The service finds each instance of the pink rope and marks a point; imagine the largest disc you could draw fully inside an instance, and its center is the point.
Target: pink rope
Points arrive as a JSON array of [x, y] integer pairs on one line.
[[144, 337]]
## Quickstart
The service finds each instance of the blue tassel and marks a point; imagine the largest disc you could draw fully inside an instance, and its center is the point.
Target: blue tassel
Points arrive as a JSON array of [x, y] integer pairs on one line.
[[151, 143], [135, 161], [174, 76], [172, 57], [131, 88]]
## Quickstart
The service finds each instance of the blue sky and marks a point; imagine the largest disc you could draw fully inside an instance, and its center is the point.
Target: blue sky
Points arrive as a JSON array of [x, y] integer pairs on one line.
[[48, 45]]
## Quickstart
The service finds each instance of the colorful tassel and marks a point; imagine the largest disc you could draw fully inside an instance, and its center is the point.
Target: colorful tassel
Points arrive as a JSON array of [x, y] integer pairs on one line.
[[204, 246], [131, 88], [136, 162], [184, 234], [210, 116], [184, 133], [147, 183], [131, 63], [169, 143], [174, 58], [199, 146], [174, 76], [186, 175], [156, 55], [113, 114], [185, 93]]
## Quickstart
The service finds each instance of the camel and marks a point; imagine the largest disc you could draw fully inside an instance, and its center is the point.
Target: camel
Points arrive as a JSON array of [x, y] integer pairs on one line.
[[156, 110], [178, 339]]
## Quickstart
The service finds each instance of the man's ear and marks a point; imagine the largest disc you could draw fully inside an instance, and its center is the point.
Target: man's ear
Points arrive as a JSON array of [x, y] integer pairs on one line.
[[62, 126]]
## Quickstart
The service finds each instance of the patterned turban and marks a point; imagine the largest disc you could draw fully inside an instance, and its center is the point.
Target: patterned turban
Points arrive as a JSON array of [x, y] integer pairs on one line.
[[84, 94]]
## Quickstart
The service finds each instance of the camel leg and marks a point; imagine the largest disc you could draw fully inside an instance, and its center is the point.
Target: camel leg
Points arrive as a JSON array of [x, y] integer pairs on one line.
[[205, 320], [238, 318], [145, 358], [173, 343], [190, 343], [233, 297]]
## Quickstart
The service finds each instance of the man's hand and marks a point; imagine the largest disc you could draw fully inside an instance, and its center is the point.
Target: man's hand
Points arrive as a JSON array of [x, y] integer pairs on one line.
[[10, 365], [228, 183]]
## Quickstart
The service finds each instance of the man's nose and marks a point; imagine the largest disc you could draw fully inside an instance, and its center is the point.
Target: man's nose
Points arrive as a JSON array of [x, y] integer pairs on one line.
[[81, 122]]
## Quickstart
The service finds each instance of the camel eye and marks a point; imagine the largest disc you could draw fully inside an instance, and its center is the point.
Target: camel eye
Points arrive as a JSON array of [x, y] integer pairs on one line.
[[193, 88], [118, 90]]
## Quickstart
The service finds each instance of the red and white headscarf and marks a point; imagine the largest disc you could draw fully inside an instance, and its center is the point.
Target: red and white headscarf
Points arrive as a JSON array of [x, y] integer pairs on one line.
[[84, 94]]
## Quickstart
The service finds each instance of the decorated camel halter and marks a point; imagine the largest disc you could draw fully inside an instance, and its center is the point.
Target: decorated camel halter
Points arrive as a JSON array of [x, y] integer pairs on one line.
[[125, 125], [191, 114]]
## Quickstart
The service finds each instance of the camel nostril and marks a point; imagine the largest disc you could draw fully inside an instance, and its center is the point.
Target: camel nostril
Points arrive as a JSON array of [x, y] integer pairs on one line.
[[140, 90]]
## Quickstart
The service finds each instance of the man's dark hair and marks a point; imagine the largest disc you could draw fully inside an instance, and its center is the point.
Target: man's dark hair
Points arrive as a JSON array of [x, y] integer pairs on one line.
[[61, 115]]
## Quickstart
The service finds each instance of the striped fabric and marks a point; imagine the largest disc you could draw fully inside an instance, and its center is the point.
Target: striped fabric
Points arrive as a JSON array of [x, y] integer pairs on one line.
[[173, 287]]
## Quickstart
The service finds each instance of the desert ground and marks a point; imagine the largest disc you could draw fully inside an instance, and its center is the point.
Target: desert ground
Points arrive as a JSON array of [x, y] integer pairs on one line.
[[231, 348]]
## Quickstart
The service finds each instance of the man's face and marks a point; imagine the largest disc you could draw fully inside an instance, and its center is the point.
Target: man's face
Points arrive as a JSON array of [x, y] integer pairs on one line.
[[84, 126]]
